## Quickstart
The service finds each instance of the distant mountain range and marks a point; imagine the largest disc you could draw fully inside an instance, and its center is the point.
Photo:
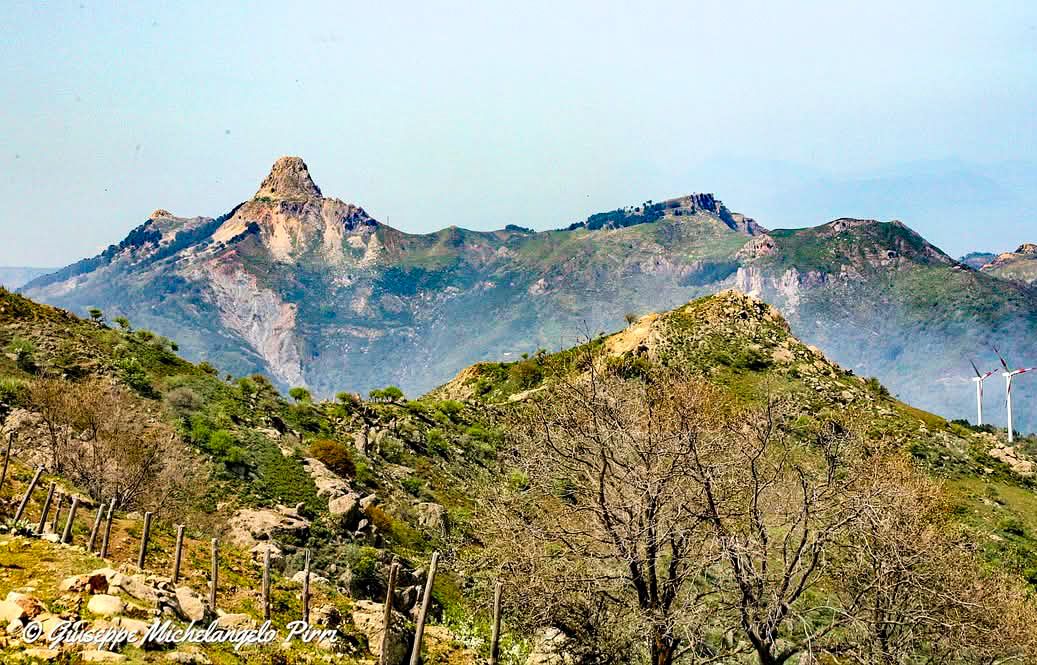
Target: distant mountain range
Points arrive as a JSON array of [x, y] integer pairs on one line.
[[12, 277], [313, 291]]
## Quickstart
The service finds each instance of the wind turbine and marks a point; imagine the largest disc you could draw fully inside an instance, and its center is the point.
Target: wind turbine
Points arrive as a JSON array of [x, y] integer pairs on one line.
[[979, 379], [1009, 374]]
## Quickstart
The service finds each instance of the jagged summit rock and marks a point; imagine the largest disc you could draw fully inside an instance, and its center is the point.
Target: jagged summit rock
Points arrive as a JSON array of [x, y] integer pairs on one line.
[[289, 179], [161, 213]]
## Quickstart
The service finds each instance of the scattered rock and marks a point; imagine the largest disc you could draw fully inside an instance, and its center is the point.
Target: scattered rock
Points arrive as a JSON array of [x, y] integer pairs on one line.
[[368, 617], [187, 658], [329, 485], [33, 606], [235, 621], [250, 526], [549, 649], [432, 516], [192, 606], [11, 611], [40, 653], [327, 616], [105, 605], [97, 656], [300, 576]]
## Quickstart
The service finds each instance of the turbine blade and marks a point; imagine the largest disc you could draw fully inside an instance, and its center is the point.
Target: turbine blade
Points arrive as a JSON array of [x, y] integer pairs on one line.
[[975, 369], [1003, 363]]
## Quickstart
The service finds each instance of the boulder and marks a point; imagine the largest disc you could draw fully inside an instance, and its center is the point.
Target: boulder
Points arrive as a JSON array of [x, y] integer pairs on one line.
[[327, 616], [248, 526], [33, 607], [187, 658], [40, 653], [50, 623], [432, 516], [192, 606], [300, 576], [329, 484], [11, 611], [98, 656], [549, 649], [105, 605], [93, 582], [135, 626], [368, 501], [368, 617], [345, 506], [235, 621]]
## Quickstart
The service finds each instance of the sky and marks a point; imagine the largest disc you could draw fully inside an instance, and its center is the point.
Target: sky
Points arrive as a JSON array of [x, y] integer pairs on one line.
[[535, 113]]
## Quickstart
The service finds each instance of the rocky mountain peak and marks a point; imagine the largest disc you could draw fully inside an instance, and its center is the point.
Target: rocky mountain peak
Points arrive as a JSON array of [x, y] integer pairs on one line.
[[1027, 248], [160, 213], [288, 179]]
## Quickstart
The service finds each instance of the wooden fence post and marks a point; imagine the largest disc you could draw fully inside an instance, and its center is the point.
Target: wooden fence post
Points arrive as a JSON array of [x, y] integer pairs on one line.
[[46, 509], [495, 637], [57, 512], [214, 580], [179, 551], [108, 529], [306, 588], [144, 540], [390, 593], [266, 583], [7, 460], [97, 527], [415, 654], [66, 536], [28, 493]]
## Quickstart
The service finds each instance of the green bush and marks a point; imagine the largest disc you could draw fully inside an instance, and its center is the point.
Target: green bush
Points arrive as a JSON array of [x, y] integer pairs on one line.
[[436, 443], [526, 374], [334, 455], [24, 354], [387, 394], [413, 485], [300, 394], [132, 373]]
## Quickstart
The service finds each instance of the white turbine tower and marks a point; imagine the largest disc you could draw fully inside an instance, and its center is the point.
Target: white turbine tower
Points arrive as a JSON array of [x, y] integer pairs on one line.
[[1009, 374], [979, 379]]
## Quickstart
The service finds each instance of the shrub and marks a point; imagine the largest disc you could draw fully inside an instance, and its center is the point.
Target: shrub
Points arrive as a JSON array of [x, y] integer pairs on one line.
[[364, 580], [132, 373], [391, 450], [387, 394], [413, 485], [346, 397], [24, 354], [122, 322], [300, 394], [436, 443], [525, 374], [450, 408], [335, 456]]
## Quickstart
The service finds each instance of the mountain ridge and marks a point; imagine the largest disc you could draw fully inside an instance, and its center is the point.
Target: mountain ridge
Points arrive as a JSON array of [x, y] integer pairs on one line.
[[314, 291]]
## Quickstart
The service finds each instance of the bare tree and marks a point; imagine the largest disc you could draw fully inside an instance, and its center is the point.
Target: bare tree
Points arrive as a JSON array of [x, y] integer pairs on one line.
[[777, 501], [913, 590], [604, 514], [98, 434]]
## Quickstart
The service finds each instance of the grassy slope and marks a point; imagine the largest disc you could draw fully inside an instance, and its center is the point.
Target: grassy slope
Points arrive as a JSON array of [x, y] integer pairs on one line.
[[746, 347]]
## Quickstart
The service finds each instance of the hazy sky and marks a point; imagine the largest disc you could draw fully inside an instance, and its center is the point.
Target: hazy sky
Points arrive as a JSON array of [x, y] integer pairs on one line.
[[484, 114]]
